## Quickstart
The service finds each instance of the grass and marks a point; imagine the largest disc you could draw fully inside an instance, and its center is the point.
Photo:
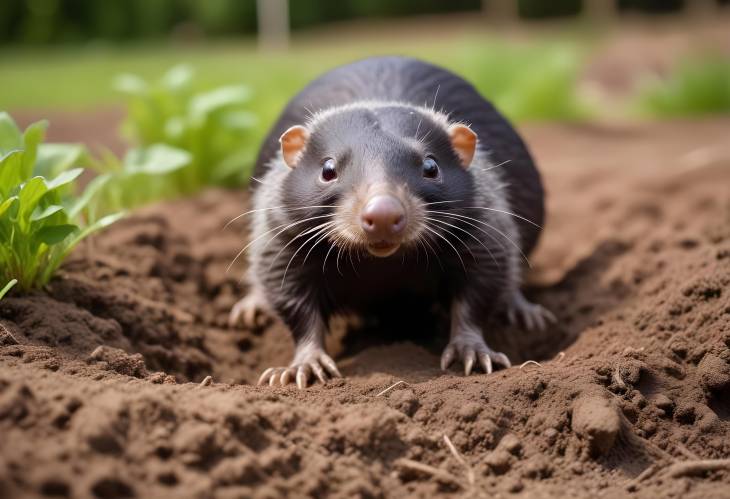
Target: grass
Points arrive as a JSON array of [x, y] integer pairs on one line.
[[522, 79], [696, 87]]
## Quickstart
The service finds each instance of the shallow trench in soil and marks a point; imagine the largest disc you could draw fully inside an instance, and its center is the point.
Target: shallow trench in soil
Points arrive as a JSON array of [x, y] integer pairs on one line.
[[100, 373]]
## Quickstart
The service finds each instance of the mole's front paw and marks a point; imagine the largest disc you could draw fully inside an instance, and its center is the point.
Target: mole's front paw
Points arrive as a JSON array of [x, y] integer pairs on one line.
[[249, 310], [317, 364], [470, 349], [532, 315]]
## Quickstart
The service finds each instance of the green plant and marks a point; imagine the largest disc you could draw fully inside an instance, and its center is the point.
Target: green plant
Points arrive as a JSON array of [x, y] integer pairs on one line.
[[697, 86], [142, 177], [214, 127], [528, 82], [7, 287], [41, 220]]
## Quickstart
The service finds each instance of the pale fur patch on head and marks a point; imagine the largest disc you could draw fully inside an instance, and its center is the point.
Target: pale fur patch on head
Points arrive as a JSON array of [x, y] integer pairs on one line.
[[441, 119]]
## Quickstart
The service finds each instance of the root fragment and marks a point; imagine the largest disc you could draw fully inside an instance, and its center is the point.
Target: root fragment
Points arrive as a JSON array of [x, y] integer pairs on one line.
[[390, 388], [437, 473], [697, 467], [461, 460], [530, 362], [617, 377]]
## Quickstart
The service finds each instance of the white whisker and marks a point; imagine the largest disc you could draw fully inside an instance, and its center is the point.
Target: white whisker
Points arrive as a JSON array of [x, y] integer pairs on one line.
[[497, 166], [308, 231], [283, 208], [447, 242], [505, 212], [320, 229], [494, 229], [454, 235], [470, 235]]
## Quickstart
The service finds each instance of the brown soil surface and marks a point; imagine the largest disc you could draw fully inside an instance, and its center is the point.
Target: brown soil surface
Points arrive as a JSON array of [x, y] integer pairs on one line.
[[100, 375]]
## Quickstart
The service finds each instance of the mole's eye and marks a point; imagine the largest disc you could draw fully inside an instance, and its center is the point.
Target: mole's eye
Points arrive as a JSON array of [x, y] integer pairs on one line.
[[329, 172], [430, 168]]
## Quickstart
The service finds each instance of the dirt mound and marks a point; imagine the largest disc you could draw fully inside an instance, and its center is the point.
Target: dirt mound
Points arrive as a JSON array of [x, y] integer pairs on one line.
[[100, 375]]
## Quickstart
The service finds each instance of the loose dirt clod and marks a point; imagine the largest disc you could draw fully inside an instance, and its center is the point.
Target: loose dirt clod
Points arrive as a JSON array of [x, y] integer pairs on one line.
[[714, 372], [596, 420]]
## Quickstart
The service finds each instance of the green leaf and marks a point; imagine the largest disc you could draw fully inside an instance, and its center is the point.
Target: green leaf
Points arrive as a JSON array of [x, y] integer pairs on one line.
[[239, 120], [130, 84], [32, 136], [64, 178], [178, 77], [206, 103], [7, 204], [7, 287], [53, 159], [29, 195], [156, 160], [10, 136], [10, 169], [100, 224], [54, 234], [39, 214], [92, 189]]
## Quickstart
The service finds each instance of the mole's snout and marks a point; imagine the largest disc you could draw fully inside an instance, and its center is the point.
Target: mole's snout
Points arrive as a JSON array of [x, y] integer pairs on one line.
[[383, 217]]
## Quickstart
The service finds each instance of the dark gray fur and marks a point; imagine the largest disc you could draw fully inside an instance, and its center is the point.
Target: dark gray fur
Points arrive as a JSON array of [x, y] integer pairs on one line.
[[362, 282]]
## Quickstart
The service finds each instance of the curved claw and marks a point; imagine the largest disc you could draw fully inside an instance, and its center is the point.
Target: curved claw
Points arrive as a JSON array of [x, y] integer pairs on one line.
[[319, 365], [473, 351], [486, 362], [447, 357], [532, 315], [469, 357], [302, 376], [329, 365], [265, 375], [318, 371]]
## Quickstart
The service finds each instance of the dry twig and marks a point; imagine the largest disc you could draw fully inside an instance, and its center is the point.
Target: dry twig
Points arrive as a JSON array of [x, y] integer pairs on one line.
[[697, 467], [529, 362], [389, 388], [437, 473], [461, 460]]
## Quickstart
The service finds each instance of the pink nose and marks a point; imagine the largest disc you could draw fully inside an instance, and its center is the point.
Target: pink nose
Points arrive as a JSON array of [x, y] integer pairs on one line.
[[383, 217]]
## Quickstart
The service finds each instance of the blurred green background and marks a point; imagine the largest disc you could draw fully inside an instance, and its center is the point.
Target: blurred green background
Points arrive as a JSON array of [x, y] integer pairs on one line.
[[68, 21], [529, 56]]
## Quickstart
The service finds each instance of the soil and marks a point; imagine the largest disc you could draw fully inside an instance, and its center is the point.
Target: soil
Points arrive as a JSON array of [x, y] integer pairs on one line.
[[104, 388]]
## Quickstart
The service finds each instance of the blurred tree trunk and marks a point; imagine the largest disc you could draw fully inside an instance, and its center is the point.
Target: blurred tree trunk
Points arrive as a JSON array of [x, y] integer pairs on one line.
[[273, 23], [501, 10]]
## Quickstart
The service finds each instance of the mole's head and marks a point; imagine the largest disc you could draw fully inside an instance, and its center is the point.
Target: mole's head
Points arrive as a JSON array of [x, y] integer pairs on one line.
[[380, 168]]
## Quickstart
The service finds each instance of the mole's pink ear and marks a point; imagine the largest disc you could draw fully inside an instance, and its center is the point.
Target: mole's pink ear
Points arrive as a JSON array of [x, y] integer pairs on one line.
[[293, 142], [464, 142]]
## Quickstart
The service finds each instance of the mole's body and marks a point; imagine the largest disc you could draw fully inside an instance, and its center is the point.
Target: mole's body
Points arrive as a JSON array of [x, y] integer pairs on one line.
[[383, 180]]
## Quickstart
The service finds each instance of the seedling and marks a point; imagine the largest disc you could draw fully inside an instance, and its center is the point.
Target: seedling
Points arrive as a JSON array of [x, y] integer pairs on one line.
[[214, 128], [40, 218]]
